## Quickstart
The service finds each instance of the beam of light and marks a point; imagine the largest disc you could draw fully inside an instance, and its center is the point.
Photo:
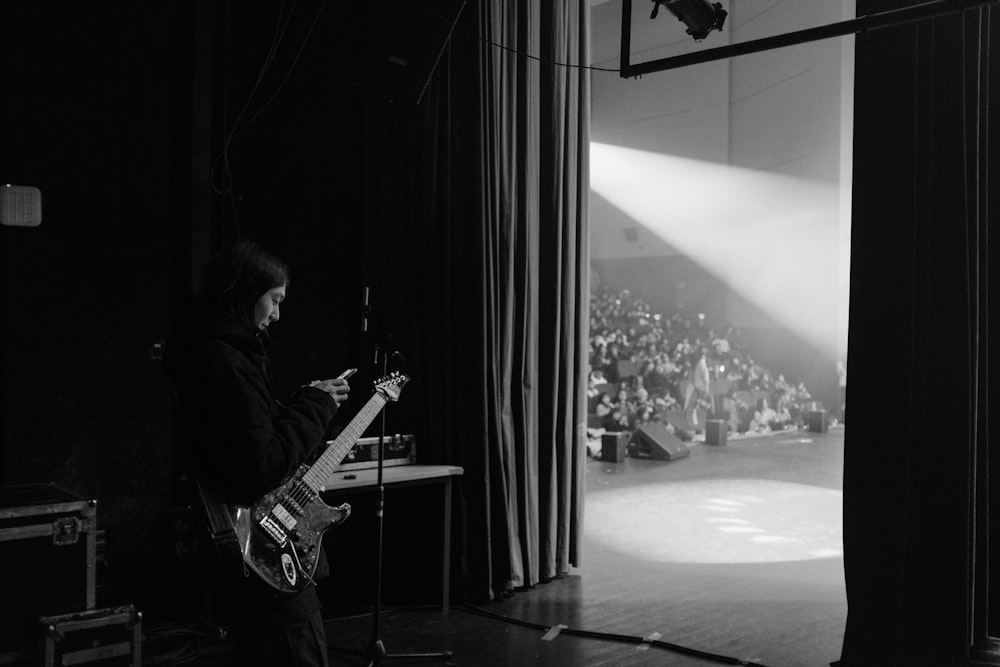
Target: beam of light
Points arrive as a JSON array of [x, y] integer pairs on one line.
[[740, 520], [773, 239]]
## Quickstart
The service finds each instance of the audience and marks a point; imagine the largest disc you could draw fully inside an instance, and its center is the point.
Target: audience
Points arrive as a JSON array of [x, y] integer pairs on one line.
[[647, 367]]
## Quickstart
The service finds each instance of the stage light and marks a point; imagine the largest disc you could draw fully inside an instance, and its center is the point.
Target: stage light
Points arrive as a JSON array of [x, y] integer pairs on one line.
[[772, 240], [700, 16]]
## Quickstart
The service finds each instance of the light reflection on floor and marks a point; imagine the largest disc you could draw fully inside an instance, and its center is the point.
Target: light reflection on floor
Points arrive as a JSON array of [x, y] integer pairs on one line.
[[718, 521]]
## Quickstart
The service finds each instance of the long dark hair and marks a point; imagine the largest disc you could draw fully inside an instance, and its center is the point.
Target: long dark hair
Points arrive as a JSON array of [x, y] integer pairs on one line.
[[238, 277]]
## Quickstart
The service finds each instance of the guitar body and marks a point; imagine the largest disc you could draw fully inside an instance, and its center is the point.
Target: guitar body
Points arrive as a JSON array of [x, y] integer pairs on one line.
[[280, 535]]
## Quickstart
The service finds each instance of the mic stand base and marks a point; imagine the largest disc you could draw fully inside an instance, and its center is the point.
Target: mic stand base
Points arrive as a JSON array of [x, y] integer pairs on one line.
[[378, 654]]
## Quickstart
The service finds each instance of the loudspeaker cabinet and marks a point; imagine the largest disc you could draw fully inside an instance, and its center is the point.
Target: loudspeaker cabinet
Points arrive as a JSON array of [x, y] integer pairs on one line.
[[613, 446], [716, 432], [816, 421], [654, 441]]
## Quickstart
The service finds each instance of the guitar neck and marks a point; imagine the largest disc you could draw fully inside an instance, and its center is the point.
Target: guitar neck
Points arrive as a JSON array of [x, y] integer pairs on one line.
[[324, 467]]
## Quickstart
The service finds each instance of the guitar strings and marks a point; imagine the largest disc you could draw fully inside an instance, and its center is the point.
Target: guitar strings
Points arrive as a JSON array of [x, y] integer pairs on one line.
[[302, 489]]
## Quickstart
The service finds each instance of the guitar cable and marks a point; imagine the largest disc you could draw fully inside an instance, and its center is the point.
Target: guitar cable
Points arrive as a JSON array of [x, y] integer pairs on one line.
[[627, 639]]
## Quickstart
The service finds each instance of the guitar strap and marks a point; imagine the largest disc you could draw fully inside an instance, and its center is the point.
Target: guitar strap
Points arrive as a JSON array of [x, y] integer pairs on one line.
[[217, 518]]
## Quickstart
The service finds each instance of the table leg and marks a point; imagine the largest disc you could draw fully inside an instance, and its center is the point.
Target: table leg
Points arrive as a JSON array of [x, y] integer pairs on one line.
[[446, 545]]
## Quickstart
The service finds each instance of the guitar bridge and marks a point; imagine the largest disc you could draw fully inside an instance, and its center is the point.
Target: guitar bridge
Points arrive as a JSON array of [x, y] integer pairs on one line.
[[272, 529]]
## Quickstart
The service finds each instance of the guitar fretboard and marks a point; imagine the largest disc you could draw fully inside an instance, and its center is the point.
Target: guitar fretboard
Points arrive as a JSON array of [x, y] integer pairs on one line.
[[320, 471]]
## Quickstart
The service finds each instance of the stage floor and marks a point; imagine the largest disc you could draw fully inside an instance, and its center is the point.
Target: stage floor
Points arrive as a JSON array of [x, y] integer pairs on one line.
[[734, 551]]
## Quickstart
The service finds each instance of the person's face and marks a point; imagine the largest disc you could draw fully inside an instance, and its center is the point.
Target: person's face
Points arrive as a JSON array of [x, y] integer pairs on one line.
[[266, 310]]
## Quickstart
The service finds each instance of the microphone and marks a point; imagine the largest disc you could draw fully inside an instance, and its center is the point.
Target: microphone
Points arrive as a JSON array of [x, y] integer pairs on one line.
[[364, 312]]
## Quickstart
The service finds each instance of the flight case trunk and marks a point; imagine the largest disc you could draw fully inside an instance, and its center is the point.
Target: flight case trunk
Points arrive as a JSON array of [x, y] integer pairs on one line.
[[98, 636], [47, 561]]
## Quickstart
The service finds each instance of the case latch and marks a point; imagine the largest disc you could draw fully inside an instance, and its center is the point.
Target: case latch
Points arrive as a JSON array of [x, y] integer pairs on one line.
[[65, 531]]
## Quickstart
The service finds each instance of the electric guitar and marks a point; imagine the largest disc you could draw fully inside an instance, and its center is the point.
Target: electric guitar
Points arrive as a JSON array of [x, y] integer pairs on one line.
[[280, 536]]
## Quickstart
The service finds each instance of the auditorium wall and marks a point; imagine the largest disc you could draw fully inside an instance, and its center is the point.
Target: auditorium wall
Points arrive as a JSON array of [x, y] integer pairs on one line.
[[785, 113]]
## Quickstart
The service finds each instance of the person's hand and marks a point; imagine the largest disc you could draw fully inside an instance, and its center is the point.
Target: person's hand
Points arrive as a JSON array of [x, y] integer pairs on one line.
[[338, 388]]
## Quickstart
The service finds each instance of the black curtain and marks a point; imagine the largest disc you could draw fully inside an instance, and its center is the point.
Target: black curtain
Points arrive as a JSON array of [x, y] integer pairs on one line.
[[916, 488], [476, 253], [370, 144]]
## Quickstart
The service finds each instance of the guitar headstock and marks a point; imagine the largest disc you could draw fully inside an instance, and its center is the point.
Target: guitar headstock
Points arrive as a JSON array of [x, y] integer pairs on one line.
[[392, 384]]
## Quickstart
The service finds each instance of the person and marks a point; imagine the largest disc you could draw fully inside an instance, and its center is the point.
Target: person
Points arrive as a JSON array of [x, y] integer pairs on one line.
[[842, 389], [763, 417], [604, 405], [698, 390], [782, 414], [734, 409], [241, 440]]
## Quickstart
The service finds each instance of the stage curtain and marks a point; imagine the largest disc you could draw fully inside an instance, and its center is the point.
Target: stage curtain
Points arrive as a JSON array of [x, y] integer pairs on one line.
[[535, 182], [476, 248], [917, 486]]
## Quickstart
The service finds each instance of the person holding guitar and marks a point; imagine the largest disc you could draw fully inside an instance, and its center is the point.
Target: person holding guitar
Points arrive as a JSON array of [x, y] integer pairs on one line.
[[241, 441]]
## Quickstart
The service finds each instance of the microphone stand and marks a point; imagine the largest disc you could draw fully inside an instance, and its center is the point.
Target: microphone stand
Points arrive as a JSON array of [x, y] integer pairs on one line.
[[376, 649]]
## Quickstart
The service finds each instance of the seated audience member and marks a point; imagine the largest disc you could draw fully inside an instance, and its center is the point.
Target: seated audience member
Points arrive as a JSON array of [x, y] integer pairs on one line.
[[763, 416], [657, 379], [638, 390], [644, 415], [617, 420], [735, 410], [780, 385], [594, 379], [667, 352], [720, 344], [600, 360], [802, 394], [664, 404], [604, 405], [782, 416], [626, 405]]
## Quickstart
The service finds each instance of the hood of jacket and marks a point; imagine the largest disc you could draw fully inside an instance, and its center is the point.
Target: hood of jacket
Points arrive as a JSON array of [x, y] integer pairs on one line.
[[202, 324]]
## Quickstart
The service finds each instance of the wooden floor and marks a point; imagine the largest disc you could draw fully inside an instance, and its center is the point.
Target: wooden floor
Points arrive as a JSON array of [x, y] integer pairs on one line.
[[734, 552]]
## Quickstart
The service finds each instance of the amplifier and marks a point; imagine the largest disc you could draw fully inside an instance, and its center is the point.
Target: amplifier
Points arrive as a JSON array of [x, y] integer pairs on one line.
[[397, 450]]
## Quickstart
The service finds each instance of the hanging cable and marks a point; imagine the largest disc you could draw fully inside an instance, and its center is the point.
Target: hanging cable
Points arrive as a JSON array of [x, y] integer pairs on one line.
[[221, 173], [511, 50]]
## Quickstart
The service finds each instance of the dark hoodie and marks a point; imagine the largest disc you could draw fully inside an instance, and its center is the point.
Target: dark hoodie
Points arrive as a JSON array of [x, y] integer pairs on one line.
[[238, 436]]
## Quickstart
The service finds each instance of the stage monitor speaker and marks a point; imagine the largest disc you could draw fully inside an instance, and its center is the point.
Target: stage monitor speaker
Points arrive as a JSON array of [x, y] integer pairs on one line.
[[816, 421], [654, 441], [716, 431], [613, 446]]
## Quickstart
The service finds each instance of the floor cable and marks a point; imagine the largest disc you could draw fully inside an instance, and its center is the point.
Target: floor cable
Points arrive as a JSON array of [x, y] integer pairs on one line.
[[628, 639]]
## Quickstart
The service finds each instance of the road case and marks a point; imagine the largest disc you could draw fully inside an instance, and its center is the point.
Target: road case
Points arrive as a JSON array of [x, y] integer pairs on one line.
[[97, 636], [47, 560]]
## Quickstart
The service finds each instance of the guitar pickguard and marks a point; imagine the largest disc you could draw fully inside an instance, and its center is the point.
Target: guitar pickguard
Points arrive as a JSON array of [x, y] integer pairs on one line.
[[280, 536]]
